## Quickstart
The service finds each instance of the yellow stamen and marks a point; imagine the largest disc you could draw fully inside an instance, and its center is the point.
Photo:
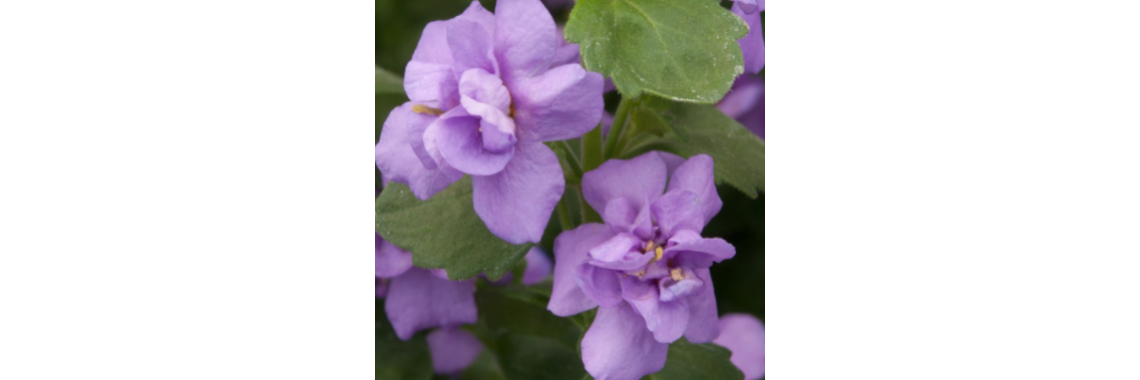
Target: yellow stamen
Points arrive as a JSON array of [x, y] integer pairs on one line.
[[675, 273], [420, 108], [649, 246], [640, 273], [658, 254]]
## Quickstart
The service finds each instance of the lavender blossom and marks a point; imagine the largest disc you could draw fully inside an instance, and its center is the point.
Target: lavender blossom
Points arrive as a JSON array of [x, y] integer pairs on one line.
[[486, 92], [752, 44], [646, 268], [743, 334], [421, 299]]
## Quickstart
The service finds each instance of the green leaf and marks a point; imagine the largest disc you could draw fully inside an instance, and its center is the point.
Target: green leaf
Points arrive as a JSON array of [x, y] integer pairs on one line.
[[529, 341], [444, 232], [684, 50], [688, 129], [485, 367], [697, 361], [388, 83], [397, 359]]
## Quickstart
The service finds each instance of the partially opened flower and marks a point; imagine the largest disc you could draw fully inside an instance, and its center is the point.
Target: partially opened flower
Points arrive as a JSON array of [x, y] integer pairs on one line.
[[646, 268], [420, 299], [486, 92], [743, 334], [752, 44]]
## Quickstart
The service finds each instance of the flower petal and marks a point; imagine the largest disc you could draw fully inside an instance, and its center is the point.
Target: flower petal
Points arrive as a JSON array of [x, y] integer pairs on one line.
[[747, 6], [619, 347], [483, 94], [525, 38], [671, 289], [537, 266], [570, 251], [696, 175], [700, 253], [639, 180], [747, 93], [516, 203], [471, 46], [461, 144], [562, 103], [419, 300], [452, 349], [622, 252], [676, 211], [667, 320], [600, 284], [622, 217], [752, 44], [391, 261], [703, 327], [743, 334], [396, 157]]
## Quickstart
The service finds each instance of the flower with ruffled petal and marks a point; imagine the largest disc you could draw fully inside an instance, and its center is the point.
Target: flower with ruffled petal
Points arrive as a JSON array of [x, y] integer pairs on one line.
[[752, 44], [420, 299], [743, 334], [486, 91], [646, 268]]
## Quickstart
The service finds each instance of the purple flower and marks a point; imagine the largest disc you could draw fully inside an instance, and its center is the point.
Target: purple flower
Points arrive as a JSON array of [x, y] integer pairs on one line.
[[646, 268], [485, 94], [420, 299], [752, 45], [745, 103], [743, 334]]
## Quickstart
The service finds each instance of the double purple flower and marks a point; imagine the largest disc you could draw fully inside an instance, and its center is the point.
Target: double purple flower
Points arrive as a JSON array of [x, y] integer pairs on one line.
[[486, 91], [646, 268], [420, 299]]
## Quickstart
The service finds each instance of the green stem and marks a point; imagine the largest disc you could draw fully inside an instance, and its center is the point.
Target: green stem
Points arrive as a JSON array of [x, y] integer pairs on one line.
[[592, 149], [619, 126], [572, 158], [564, 215]]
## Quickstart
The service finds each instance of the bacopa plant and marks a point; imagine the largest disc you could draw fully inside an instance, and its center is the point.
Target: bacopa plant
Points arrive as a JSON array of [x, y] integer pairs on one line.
[[607, 141]]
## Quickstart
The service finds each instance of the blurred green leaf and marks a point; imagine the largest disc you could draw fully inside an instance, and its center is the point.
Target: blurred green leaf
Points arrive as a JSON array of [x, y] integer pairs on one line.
[[444, 232], [397, 359], [529, 341], [738, 155], [485, 367], [388, 83], [697, 361], [684, 50]]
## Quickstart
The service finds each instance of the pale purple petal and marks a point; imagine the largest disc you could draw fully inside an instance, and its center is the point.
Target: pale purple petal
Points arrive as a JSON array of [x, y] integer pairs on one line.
[[432, 47], [525, 38], [391, 261], [516, 203], [752, 44], [622, 252], [639, 180], [475, 12], [701, 253], [483, 94], [743, 334], [671, 289], [747, 93], [430, 147], [452, 349], [747, 6], [600, 284], [667, 320], [703, 327], [570, 251], [461, 145], [471, 46], [676, 211], [431, 84], [396, 157], [563, 103], [419, 300], [619, 347], [622, 217], [537, 266], [696, 175]]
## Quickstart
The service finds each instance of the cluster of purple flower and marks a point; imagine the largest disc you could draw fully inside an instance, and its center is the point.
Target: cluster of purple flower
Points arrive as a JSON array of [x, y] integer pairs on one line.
[[486, 91]]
